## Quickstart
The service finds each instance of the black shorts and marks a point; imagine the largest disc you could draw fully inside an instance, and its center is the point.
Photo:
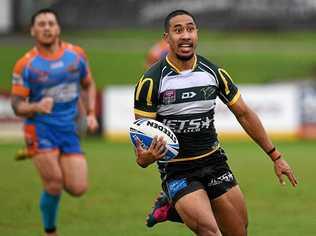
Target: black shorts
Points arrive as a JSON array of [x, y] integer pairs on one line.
[[215, 179]]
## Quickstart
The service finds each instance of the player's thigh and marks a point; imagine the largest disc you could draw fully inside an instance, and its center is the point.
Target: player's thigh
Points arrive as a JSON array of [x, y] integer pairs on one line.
[[75, 172], [231, 213], [196, 212], [47, 165]]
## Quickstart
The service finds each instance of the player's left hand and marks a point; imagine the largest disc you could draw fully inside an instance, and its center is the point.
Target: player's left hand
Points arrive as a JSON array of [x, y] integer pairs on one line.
[[92, 123], [281, 168]]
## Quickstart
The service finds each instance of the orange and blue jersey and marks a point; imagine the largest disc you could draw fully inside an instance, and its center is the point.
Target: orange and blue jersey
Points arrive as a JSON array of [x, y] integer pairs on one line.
[[157, 52], [59, 75], [37, 75]]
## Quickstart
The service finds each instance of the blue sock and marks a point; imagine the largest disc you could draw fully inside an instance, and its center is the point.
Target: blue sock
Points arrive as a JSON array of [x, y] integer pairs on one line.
[[49, 207]]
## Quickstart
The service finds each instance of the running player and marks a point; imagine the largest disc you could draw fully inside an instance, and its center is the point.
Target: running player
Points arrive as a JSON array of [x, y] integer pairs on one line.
[[180, 91], [45, 90], [157, 52]]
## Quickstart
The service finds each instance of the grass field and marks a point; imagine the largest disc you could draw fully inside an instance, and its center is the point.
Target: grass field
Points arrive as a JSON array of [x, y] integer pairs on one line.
[[121, 193]]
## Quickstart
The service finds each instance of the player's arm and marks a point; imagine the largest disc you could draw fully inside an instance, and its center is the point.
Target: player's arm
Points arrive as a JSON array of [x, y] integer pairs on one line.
[[90, 90], [145, 106], [20, 92], [254, 128], [250, 122], [23, 108], [89, 87]]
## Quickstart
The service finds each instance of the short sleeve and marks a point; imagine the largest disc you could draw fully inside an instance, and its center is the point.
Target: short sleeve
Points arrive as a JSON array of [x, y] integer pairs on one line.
[[85, 71], [228, 91], [20, 79], [145, 98]]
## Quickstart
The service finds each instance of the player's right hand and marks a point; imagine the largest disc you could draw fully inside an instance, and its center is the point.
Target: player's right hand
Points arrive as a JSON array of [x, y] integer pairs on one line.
[[155, 152], [45, 105]]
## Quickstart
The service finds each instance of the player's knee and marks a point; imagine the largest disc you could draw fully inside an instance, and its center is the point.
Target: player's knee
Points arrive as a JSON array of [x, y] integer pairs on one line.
[[245, 225], [54, 186], [207, 229], [241, 230], [77, 190]]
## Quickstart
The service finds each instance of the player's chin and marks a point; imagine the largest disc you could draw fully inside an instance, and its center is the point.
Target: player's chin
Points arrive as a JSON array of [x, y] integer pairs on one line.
[[47, 41], [185, 56]]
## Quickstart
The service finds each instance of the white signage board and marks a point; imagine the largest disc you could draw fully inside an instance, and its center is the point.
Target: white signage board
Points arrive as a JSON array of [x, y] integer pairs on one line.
[[276, 105]]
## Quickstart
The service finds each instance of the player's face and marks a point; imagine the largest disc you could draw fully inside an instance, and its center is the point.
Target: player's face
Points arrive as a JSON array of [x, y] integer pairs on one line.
[[182, 37], [46, 29]]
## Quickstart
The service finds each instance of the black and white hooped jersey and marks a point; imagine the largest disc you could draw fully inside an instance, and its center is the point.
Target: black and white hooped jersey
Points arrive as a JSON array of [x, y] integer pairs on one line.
[[185, 102]]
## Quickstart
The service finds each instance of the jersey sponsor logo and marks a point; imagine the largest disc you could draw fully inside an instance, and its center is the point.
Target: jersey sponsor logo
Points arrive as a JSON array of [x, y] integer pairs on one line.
[[169, 97], [42, 77], [176, 185], [187, 95], [72, 69], [56, 65], [189, 125], [208, 92], [140, 86], [62, 93]]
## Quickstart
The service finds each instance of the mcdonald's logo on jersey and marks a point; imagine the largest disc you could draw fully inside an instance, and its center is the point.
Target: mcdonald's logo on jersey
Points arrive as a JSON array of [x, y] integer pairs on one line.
[[148, 93]]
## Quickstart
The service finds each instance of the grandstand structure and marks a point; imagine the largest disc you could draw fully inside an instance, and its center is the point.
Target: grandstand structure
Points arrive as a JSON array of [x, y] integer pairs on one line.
[[214, 14]]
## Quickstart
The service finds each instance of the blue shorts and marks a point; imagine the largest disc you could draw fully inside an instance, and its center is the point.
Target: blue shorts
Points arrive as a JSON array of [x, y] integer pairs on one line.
[[40, 138]]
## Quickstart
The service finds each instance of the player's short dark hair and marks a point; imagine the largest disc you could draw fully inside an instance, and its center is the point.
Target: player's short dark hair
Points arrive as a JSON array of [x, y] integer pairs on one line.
[[176, 13], [44, 10]]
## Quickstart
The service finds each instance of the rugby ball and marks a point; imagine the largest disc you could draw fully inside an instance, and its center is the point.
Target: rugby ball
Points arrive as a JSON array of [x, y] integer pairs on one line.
[[144, 130]]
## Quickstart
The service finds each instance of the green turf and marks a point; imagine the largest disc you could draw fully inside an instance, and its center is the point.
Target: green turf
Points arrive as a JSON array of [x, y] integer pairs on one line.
[[117, 57], [121, 193]]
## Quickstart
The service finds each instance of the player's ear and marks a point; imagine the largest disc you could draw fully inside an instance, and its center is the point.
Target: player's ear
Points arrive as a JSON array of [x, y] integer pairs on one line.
[[165, 36]]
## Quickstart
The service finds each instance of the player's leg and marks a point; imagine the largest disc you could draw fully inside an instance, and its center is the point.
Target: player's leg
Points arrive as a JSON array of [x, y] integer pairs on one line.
[[231, 213], [49, 170], [75, 171], [39, 142], [227, 201], [196, 211], [73, 164], [192, 203]]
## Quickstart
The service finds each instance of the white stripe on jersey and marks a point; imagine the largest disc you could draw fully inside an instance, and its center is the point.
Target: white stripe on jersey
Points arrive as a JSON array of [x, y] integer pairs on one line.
[[186, 108], [214, 74], [187, 80]]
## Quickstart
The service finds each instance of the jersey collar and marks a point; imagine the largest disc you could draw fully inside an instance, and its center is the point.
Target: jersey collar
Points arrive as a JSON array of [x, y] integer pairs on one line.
[[51, 56], [179, 71]]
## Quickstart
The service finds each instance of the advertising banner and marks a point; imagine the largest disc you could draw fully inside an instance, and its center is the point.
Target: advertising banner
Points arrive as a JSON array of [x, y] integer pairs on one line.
[[276, 105], [10, 125]]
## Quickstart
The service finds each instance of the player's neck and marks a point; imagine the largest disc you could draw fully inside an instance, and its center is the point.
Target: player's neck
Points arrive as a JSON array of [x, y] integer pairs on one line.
[[181, 65], [49, 50]]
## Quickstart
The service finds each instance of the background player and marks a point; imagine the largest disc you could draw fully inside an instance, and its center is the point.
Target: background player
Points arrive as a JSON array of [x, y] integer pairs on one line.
[[46, 87], [199, 182], [158, 51]]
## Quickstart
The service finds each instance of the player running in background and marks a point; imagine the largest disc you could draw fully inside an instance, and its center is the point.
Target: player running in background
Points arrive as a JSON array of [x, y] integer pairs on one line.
[[158, 51], [180, 91], [45, 91]]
